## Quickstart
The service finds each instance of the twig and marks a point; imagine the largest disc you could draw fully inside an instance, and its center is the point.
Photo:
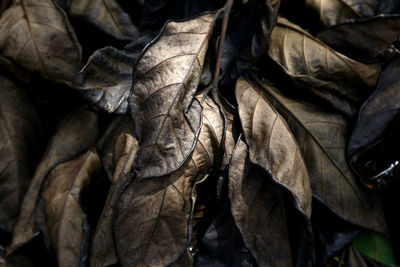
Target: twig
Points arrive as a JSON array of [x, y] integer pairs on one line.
[[228, 7]]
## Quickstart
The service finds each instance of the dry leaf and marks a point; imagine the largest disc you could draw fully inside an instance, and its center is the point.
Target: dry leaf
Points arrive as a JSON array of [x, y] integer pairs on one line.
[[272, 145], [106, 15], [19, 141], [106, 79], [153, 222], [75, 134], [167, 116], [124, 150], [36, 35], [59, 213], [329, 75], [257, 207], [322, 137]]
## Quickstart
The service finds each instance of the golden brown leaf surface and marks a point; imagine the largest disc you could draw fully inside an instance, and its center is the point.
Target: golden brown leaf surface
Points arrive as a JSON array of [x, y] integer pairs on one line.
[[36, 35], [167, 115], [76, 133], [322, 137], [153, 222], [59, 213]]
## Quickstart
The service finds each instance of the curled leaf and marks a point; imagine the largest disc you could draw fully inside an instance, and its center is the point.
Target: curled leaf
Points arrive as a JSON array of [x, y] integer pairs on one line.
[[322, 137], [106, 15], [167, 116], [106, 79], [152, 226], [272, 145], [19, 140], [75, 134], [120, 156], [329, 75], [59, 213], [257, 207], [37, 36]]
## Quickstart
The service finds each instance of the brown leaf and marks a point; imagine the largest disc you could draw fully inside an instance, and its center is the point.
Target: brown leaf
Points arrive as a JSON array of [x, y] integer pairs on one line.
[[75, 134], [322, 137], [106, 79], [332, 12], [36, 35], [106, 15], [59, 213], [153, 222], [257, 207], [272, 145], [167, 116], [313, 65], [124, 150], [19, 140], [364, 40]]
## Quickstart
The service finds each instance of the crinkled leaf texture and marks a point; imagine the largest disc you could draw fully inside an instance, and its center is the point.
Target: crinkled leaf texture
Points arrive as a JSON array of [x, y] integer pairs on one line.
[[153, 224], [106, 79], [59, 213], [322, 137], [19, 140], [106, 15], [76, 133], [337, 79], [167, 116], [36, 35]]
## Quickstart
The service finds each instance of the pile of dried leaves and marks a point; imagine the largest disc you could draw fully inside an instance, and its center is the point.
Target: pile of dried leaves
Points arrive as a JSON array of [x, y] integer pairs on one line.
[[205, 133]]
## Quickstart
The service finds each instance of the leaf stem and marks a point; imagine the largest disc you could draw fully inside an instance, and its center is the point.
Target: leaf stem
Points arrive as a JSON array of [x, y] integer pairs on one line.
[[228, 7]]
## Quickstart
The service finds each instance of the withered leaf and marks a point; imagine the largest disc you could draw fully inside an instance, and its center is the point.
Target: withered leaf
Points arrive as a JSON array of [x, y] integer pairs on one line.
[[36, 35], [76, 133], [257, 207], [364, 40], [106, 15], [19, 140], [167, 116], [152, 226], [124, 147], [332, 12], [328, 74], [272, 145], [107, 78], [59, 213], [374, 118], [322, 137]]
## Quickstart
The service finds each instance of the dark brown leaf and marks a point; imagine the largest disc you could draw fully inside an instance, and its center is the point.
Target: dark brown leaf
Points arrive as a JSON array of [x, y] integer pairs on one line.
[[257, 207], [36, 35], [107, 78], [75, 134], [59, 213], [374, 118], [124, 147], [19, 140], [313, 65], [153, 222], [106, 15], [364, 40], [167, 117], [322, 138], [332, 12], [272, 145]]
